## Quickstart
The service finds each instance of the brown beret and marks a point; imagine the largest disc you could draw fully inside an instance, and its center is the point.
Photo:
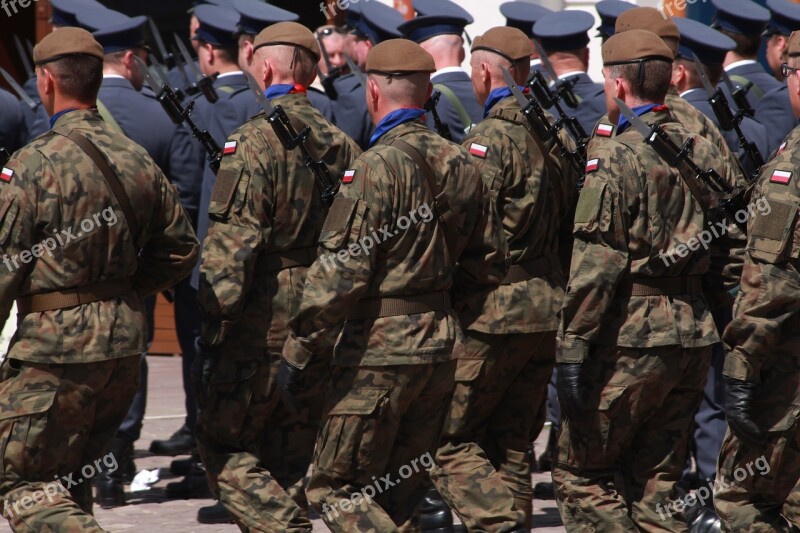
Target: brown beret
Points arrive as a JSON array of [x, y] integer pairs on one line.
[[652, 20], [289, 34], [66, 42], [634, 46], [511, 43], [399, 56], [793, 48]]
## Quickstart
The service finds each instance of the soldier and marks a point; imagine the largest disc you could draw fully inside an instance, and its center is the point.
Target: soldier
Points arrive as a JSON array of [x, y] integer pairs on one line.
[[266, 215], [711, 46], [386, 296], [564, 38], [773, 110], [608, 11], [440, 36], [522, 16], [760, 369], [73, 366], [482, 462], [636, 332], [745, 21]]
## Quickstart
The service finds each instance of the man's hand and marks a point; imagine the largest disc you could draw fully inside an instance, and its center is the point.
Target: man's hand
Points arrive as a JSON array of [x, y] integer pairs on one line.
[[739, 396], [288, 381], [568, 385], [202, 368]]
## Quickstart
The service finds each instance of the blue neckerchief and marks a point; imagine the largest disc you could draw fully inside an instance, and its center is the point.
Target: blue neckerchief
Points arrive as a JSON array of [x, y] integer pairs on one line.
[[274, 91], [639, 110], [394, 119], [494, 97], [58, 116]]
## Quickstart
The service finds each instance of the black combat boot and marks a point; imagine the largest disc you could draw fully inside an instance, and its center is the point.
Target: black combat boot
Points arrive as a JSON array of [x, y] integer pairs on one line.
[[180, 443], [214, 514], [434, 514], [111, 485]]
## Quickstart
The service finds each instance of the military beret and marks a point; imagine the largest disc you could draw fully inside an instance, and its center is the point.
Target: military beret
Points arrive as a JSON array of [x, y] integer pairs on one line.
[[647, 18], [399, 56], [66, 42], [289, 34], [510, 43], [793, 48], [635, 46]]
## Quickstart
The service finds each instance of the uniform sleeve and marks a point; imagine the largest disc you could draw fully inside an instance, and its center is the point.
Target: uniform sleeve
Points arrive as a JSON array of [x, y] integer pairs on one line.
[[239, 228], [171, 251], [599, 256], [185, 172], [767, 307], [333, 286]]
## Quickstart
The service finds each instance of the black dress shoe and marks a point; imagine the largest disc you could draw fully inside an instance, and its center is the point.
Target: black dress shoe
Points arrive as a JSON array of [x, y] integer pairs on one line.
[[214, 514], [181, 467], [706, 522], [544, 490], [193, 485], [434, 514], [180, 443], [110, 492]]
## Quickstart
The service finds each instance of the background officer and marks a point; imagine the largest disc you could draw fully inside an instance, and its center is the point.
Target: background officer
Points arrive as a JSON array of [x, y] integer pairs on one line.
[[71, 387]]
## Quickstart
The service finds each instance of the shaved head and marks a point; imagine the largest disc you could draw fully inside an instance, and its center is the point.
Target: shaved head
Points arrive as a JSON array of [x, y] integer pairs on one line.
[[447, 50], [288, 64], [403, 91]]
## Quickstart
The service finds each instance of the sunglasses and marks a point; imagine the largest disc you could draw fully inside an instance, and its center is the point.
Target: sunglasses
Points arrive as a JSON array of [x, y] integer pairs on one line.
[[325, 31], [787, 71]]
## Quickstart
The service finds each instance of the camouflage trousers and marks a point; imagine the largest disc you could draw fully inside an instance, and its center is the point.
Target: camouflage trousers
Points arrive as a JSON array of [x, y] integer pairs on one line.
[[757, 487], [56, 422], [256, 451], [378, 439], [617, 466], [483, 468]]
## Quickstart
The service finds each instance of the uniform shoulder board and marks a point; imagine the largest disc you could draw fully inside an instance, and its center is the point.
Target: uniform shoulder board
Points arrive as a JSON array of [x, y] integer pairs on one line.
[[230, 148], [348, 176], [478, 150], [6, 174], [605, 130], [781, 176], [592, 165]]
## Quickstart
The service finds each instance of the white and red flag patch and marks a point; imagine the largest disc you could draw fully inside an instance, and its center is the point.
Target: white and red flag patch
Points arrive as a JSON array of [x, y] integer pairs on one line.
[[6, 174], [592, 165], [605, 130], [348, 176], [782, 148], [230, 148], [781, 176], [478, 150]]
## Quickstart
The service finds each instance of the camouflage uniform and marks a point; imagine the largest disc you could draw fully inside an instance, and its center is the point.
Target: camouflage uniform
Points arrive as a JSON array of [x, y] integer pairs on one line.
[[637, 321], [72, 372], [266, 215], [393, 372], [764, 349], [483, 470]]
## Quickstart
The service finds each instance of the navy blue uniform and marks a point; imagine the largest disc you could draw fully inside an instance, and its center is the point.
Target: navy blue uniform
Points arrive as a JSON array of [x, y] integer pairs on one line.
[[461, 85], [11, 124], [320, 101], [591, 101], [35, 121], [350, 110], [763, 81], [774, 111]]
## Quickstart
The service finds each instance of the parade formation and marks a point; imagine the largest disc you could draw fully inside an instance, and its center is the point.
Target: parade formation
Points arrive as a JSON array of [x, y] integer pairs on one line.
[[393, 265]]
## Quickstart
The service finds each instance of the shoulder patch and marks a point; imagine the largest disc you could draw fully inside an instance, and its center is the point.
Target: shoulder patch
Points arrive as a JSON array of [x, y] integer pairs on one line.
[[782, 148], [592, 165], [348, 176], [605, 130], [230, 148], [781, 176], [6, 174], [478, 150]]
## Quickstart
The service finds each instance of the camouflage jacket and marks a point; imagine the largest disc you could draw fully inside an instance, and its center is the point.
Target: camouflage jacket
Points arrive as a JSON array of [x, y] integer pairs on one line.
[[766, 319], [531, 198], [265, 202], [636, 219], [385, 198], [55, 204]]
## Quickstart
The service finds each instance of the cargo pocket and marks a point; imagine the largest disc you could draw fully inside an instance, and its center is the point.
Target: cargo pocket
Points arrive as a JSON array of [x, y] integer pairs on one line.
[[611, 401], [23, 421], [348, 440], [229, 395]]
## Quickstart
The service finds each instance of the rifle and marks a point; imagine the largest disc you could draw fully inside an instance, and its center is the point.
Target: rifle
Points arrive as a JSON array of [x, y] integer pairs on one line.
[[4, 156], [17, 89], [291, 139], [540, 124], [678, 157], [178, 114], [563, 87], [357, 72], [430, 106], [727, 120], [334, 73], [166, 57], [203, 84], [739, 94], [24, 57]]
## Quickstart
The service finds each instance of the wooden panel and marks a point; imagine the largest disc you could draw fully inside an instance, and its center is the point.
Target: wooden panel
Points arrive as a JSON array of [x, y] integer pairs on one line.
[[165, 339]]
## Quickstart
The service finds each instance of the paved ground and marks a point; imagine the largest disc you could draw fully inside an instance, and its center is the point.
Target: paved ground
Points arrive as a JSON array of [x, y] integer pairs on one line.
[[151, 510]]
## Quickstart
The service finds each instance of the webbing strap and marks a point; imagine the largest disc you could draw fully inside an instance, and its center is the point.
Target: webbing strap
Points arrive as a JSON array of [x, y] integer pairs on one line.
[[463, 116]]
